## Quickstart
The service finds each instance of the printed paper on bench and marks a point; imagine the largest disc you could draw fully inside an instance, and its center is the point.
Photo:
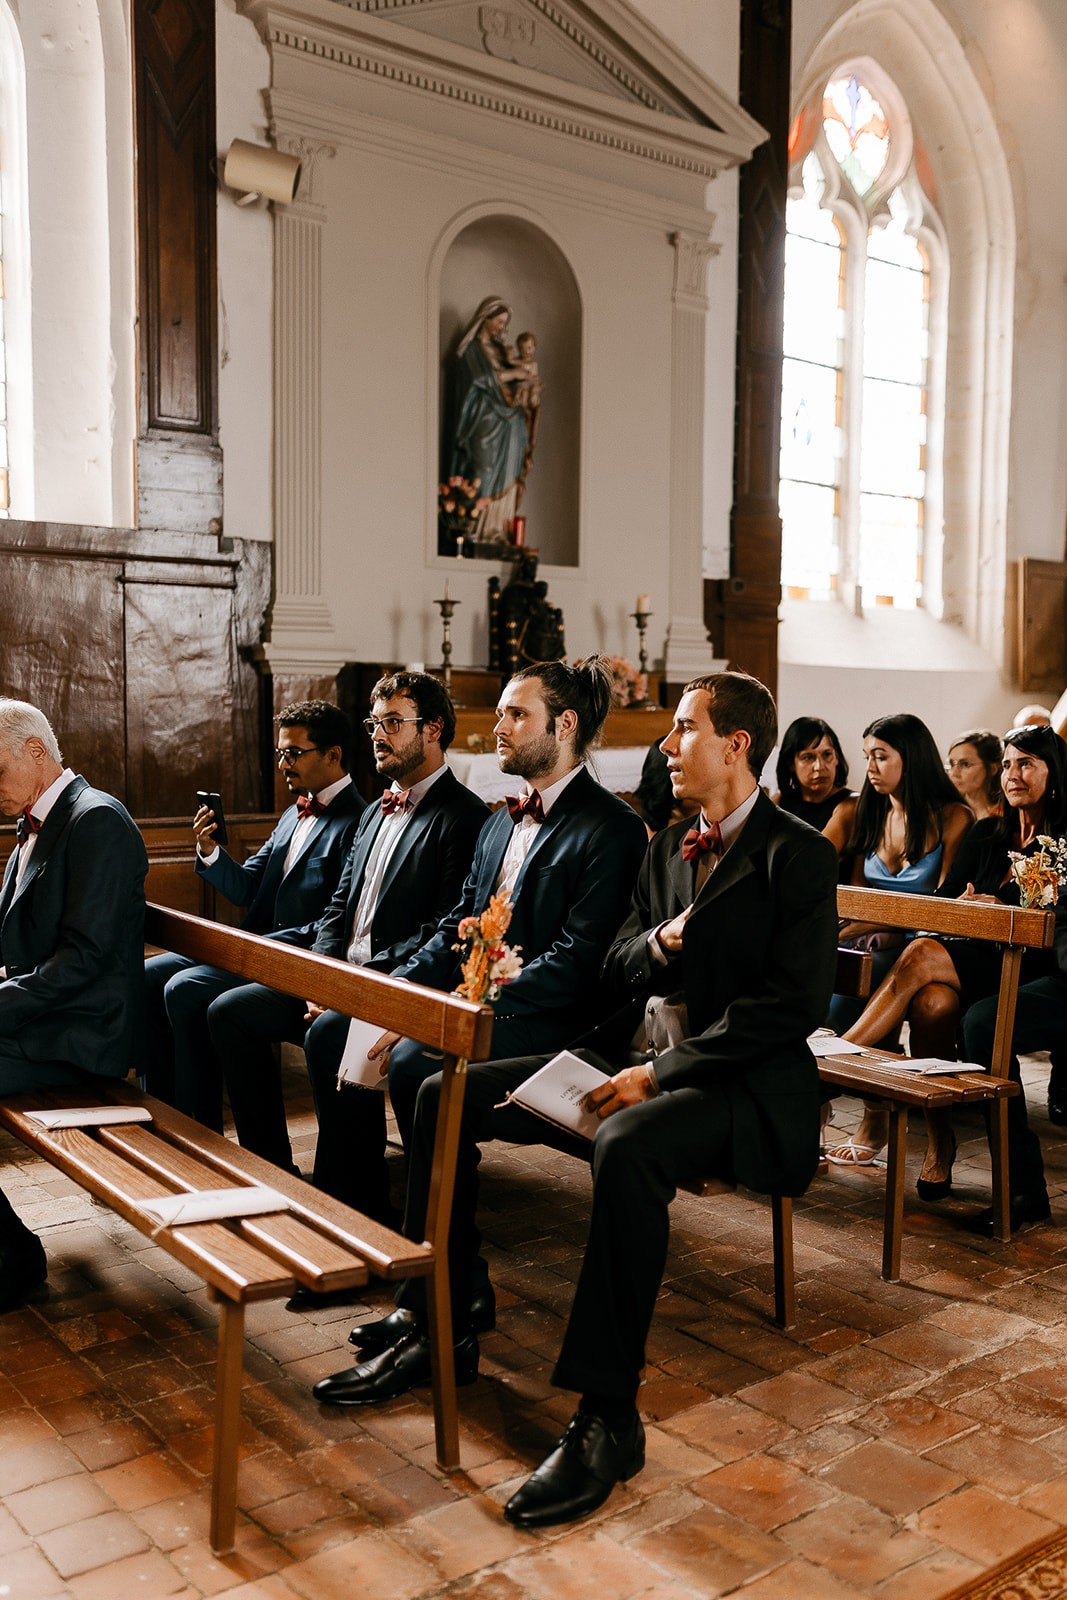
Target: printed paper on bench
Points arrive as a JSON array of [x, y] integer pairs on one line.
[[90, 1116], [355, 1068], [209, 1205], [825, 1043], [930, 1066], [556, 1093]]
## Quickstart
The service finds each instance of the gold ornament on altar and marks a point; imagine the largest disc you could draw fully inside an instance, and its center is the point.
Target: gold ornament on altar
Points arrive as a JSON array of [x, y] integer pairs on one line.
[[1039, 875], [489, 963]]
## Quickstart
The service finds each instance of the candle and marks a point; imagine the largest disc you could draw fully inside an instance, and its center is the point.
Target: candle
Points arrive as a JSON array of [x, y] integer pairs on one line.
[[446, 588], [642, 603]]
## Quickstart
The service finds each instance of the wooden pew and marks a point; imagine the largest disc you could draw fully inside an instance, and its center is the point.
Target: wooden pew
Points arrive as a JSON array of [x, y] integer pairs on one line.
[[872, 1076], [314, 1241]]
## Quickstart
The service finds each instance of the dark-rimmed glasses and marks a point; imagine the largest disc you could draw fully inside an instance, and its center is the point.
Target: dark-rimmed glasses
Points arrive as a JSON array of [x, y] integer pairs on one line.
[[289, 754], [390, 725]]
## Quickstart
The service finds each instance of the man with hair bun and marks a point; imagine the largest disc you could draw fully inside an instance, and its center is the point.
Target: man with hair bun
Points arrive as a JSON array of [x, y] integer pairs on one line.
[[567, 851], [71, 942]]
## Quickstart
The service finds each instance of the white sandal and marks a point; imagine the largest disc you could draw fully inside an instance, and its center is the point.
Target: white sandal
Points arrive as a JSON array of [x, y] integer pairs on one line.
[[852, 1156]]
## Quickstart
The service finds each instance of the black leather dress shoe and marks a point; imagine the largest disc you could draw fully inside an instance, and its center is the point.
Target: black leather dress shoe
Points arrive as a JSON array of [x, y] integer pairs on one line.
[[393, 1371], [579, 1474], [1025, 1209], [370, 1337], [22, 1269]]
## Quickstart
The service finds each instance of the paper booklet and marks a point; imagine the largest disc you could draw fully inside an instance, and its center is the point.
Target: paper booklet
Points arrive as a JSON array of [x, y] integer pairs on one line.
[[355, 1068], [930, 1066], [556, 1093], [825, 1043]]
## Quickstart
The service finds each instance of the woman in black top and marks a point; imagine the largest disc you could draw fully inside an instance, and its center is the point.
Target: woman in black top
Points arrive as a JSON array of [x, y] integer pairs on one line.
[[935, 980], [813, 779]]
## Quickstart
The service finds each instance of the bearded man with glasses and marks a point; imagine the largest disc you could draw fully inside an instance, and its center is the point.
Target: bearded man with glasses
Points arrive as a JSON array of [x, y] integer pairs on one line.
[[410, 856], [284, 888]]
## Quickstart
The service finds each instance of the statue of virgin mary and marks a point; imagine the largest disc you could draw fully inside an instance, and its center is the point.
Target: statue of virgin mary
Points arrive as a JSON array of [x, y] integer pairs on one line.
[[490, 441]]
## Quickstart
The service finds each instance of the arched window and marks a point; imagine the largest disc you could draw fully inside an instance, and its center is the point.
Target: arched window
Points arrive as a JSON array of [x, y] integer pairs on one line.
[[865, 263]]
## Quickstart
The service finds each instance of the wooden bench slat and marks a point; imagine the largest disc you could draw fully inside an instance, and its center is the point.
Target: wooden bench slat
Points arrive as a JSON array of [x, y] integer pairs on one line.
[[943, 1090], [318, 1261], [969, 919]]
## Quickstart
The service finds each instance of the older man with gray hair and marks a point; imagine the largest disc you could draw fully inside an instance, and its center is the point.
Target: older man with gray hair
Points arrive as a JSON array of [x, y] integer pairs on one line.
[[71, 941]]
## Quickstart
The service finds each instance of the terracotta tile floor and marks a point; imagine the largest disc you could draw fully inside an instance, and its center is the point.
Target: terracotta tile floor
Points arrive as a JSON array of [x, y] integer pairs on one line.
[[899, 1440]]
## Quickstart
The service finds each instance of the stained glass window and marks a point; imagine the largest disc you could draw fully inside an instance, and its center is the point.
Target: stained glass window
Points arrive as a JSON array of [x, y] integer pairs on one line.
[[856, 347]]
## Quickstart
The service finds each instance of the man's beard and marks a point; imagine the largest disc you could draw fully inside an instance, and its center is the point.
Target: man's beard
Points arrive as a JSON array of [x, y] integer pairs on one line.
[[533, 760], [397, 764]]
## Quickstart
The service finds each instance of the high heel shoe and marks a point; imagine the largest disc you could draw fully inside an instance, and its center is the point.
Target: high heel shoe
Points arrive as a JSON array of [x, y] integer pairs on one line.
[[937, 1188]]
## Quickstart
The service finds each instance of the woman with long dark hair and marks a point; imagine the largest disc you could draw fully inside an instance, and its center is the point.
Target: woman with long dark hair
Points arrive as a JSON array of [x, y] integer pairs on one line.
[[908, 827], [974, 770], [935, 980], [813, 779]]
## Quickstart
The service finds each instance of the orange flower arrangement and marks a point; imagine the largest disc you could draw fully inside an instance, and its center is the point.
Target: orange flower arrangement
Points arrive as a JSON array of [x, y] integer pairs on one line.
[[489, 962]]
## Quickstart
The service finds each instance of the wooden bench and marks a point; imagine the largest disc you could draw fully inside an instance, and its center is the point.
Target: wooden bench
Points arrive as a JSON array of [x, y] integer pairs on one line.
[[314, 1241], [872, 1075]]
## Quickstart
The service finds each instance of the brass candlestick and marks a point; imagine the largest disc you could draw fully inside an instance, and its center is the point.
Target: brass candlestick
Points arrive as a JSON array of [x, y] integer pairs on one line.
[[642, 619], [447, 605]]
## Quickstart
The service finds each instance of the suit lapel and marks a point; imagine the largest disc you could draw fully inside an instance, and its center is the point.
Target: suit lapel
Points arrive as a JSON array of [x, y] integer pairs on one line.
[[51, 829], [496, 845], [361, 850], [737, 863]]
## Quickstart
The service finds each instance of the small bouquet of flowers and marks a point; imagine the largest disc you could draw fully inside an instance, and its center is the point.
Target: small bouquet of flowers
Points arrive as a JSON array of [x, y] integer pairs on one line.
[[460, 507], [1039, 875], [631, 686], [489, 962]]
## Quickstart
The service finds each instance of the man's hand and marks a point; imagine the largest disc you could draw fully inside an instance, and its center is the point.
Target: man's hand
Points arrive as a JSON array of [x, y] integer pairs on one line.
[[381, 1048], [203, 829], [312, 1011], [670, 933], [627, 1088], [979, 899]]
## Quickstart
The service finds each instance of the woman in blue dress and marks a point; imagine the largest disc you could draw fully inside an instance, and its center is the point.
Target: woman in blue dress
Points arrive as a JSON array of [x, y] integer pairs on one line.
[[909, 824], [489, 445]]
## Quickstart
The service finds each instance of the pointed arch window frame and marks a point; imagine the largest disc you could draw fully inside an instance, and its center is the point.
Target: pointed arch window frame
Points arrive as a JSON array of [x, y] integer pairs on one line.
[[856, 216]]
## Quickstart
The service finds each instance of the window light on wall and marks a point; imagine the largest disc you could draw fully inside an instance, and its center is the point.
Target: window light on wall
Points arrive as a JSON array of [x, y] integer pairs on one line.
[[856, 345]]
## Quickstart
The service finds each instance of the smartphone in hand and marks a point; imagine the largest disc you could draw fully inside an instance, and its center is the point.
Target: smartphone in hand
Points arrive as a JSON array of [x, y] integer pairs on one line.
[[204, 797]]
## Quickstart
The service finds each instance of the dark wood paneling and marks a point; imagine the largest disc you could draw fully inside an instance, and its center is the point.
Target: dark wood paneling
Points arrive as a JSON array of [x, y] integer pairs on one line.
[[742, 611], [1042, 626], [174, 65], [138, 648]]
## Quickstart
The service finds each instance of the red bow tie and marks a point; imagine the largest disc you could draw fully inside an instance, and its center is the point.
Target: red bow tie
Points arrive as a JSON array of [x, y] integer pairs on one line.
[[531, 806], [309, 805], [696, 843], [27, 824], [396, 800]]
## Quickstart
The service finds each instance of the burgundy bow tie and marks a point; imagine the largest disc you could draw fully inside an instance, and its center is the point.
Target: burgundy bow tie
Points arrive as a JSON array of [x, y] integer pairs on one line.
[[27, 824], [309, 805], [697, 843], [531, 806], [396, 800]]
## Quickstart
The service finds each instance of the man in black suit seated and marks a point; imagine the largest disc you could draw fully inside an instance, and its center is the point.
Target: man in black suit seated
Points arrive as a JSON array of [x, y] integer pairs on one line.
[[731, 937], [285, 888], [71, 942], [411, 853], [568, 852]]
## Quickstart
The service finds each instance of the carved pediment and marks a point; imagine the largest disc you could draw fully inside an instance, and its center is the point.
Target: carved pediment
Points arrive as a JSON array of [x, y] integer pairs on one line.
[[563, 42]]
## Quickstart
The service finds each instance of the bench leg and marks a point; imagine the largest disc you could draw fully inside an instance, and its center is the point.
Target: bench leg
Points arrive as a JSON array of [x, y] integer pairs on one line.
[[785, 1295], [227, 1425], [998, 1156], [894, 1193], [443, 1370]]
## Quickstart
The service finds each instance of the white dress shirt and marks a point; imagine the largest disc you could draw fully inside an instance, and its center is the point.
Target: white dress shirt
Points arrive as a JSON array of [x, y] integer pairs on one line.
[[39, 810], [524, 834], [386, 840]]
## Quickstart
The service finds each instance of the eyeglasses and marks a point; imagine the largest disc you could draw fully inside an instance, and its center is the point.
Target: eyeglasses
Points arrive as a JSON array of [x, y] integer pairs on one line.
[[290, 754], [389, 725]]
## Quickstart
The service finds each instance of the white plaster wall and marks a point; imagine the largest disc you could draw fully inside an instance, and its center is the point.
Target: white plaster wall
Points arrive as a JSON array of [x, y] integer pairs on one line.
[[245, 287], [79, 146]]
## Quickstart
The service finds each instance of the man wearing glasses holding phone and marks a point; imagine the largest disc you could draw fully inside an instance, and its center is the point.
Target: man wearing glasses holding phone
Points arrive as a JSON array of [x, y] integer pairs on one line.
[[411, 854], [284, 888]]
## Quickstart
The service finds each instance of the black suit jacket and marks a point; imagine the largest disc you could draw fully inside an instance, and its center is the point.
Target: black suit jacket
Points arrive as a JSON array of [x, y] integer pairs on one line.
[[757, 968], [569, 899], [290, 901], [422, 881], [72, 936]]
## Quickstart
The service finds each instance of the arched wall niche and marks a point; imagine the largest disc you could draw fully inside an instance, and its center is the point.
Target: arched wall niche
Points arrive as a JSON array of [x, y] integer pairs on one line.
[[509, 255], [915, 45]]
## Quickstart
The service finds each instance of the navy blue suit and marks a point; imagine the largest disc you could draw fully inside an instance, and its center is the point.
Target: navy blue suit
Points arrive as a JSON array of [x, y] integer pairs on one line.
[[569, 899], [72, 943], [423, 878], [181, 1065]]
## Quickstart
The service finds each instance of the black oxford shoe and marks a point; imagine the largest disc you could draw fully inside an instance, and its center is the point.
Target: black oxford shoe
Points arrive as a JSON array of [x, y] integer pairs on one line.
[[370, 1337], [1025, 1209], [392, 1372], [579, 1474], [22, 1269]]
